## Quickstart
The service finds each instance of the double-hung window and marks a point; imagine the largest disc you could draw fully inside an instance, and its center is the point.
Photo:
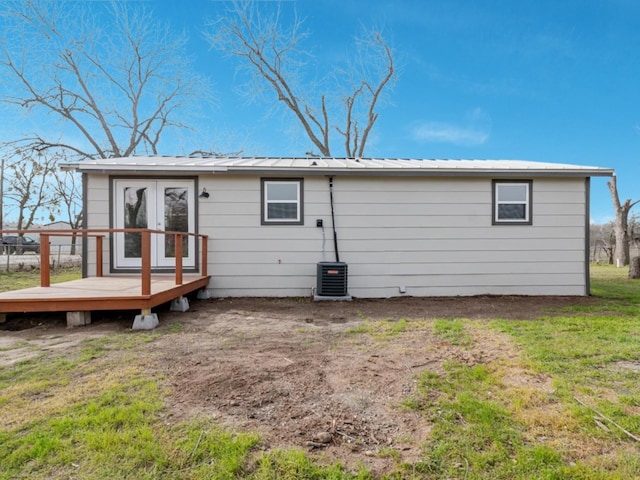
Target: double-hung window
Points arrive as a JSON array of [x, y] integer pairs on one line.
[[282, 201], [512, 202]]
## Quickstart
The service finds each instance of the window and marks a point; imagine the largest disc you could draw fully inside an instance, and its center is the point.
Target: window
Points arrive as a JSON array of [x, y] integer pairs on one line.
[[512, 202], [282, 202]]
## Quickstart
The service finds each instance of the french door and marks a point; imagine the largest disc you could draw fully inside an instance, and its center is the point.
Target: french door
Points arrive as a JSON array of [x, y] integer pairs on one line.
[[157, 205]]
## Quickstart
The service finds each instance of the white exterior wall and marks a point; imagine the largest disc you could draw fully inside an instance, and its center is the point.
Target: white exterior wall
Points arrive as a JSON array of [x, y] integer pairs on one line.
[[431, 235], [97, 216], [435, 237], [250, 259]]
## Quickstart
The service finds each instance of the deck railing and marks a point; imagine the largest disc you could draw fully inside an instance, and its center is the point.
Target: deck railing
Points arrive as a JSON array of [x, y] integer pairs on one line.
[[99, 233]]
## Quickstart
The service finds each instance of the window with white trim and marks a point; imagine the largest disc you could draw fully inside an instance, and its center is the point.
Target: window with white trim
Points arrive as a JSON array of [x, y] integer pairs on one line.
[[512, 202], [282, 201]]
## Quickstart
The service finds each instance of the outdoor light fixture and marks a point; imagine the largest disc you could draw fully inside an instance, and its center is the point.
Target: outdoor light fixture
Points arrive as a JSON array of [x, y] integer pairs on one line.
[[204, 193]]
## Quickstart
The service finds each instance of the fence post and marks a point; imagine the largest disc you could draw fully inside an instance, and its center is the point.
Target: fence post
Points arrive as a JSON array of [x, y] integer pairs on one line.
[[146, 262], [178, 255], [98, 255], [205, 261], [45, 271]]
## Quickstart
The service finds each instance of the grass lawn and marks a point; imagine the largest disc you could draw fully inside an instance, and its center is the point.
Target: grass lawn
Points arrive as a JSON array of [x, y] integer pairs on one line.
[[571, 412], [589, 410], [26, 279]]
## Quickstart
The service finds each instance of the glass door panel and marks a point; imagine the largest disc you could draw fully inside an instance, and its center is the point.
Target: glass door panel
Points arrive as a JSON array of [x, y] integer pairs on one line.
[[158, 205], [135, 216], [177, 200]]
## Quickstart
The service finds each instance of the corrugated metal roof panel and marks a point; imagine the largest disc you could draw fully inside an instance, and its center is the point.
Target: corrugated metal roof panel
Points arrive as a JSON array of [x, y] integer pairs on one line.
[[310, 165]]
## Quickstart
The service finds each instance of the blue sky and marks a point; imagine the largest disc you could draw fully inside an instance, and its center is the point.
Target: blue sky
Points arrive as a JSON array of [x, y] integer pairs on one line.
[[541, 80]]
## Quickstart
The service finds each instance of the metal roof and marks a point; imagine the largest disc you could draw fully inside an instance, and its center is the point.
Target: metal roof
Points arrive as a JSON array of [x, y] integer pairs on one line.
[[333, 166]]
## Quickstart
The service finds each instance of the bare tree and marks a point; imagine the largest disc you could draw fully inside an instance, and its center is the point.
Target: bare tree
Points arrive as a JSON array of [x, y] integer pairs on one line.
[[115, 78], [2, 163], [27, 174], [602, 239], [634, 233], [621, 223], [271, 53], [67, 188]]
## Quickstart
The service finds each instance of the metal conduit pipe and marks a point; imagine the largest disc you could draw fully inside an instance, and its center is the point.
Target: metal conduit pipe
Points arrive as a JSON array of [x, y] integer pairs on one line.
[[333, 220]]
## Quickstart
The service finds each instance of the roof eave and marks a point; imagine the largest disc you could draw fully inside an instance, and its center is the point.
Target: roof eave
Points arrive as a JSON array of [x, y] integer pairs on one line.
[[436, 172], [155, 169], [325, 171]]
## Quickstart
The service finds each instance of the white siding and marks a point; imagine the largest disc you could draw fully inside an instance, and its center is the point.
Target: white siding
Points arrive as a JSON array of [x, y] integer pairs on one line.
[[250, 259], [433, 236], [97, 206]]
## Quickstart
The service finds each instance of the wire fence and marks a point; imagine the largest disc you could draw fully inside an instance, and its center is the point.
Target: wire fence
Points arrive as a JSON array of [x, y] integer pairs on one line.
[[60, 257]]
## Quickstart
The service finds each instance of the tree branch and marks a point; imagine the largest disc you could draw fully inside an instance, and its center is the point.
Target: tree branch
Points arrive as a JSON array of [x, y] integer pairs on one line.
[[112, 72], [269, 51]]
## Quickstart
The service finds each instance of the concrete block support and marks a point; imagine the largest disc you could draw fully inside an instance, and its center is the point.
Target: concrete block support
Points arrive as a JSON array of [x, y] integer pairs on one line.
[[3, 317], [205, 294], [180, 304], [78, 319], [145, 321]]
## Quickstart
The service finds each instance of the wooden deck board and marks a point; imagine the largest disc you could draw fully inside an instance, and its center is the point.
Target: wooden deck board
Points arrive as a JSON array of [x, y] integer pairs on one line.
[[99, 293]]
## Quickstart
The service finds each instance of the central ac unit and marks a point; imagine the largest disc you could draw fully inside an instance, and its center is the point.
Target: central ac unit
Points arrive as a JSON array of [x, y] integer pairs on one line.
[[332, 279]]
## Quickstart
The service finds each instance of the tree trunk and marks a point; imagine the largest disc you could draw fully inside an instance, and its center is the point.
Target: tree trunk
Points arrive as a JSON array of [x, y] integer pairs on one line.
[[72, 250], [622, 239], [634, 268], [620, 225]]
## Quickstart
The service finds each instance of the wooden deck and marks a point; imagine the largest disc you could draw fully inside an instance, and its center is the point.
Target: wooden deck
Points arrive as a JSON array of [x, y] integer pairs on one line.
[[114, 292], [79, 298]]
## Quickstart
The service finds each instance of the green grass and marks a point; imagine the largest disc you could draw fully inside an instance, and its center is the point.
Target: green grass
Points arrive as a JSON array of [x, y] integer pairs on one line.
[[116, 434], [593, 358], [451, 331], [110, 434], [74, 415], [618, 293], [25, 279], [485, 425], [98, 411], [85, 414], [584, 352], [295, 465], [474, 435]]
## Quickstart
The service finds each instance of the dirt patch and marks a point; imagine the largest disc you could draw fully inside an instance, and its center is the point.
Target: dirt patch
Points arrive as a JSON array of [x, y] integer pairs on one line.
[[27, 336], [296, 371]]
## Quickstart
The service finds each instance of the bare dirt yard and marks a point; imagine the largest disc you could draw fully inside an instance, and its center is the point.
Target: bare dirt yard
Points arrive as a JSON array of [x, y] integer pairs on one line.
[[311, 375]]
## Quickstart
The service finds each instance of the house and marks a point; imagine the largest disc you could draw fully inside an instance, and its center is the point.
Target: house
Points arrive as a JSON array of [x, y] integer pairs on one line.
[[401, 227], [61, 244]]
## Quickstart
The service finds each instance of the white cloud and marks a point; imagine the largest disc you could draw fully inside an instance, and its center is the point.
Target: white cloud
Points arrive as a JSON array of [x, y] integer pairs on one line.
[[445, 133], [475, 130]]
